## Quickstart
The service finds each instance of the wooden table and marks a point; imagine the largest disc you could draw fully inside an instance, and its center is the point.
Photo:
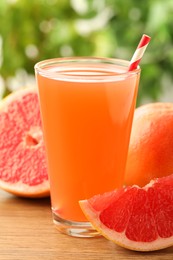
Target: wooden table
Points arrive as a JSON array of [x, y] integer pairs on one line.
[[27, 233]]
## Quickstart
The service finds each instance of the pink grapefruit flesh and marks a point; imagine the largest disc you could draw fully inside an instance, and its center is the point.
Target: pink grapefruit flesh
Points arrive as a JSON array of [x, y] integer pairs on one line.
[[23, 168], [136, 218]]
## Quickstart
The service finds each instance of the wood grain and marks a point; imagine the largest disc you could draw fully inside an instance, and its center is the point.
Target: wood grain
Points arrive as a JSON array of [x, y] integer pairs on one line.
[[27, 233]]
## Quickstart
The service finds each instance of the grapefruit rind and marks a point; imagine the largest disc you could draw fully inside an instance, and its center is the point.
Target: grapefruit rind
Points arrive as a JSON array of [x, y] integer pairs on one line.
[[23, 190], [120, 238]]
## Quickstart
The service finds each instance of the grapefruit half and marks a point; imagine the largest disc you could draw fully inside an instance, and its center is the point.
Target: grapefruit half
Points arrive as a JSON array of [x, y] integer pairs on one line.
[[23, 167], [136, 218]]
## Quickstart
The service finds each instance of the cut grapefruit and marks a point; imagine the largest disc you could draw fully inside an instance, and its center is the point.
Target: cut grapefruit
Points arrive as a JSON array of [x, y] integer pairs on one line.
[[150, 152], [136, 218], [23, 167]]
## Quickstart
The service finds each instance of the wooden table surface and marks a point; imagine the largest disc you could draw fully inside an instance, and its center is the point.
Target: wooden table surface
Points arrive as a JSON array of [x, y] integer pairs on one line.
[[27, 233]]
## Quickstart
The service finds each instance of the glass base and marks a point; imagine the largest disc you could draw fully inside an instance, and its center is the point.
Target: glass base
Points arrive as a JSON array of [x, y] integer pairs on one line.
[[74, 229]]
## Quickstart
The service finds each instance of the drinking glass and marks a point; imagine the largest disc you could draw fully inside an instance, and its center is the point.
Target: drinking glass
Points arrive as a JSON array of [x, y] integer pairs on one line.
[[87, 106]]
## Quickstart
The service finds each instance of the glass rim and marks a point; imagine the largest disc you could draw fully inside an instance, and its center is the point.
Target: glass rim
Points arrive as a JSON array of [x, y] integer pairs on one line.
[[41, 68]]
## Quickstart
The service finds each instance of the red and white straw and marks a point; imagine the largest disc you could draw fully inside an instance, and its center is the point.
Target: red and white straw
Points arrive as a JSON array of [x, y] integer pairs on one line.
[[137, 56]]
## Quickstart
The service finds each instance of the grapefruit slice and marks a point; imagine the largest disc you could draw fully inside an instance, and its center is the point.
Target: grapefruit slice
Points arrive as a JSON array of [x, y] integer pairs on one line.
[[139, 219], [23, 167]]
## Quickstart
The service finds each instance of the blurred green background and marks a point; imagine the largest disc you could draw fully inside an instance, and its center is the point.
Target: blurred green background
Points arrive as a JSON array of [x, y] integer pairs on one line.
[[34, 30]]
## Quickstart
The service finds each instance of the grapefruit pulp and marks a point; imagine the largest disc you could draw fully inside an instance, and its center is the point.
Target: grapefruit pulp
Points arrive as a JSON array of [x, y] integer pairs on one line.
[[136, 218], [23, 167]]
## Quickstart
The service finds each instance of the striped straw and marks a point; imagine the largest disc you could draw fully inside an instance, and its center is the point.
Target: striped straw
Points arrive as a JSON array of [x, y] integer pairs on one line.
[[137, 56]]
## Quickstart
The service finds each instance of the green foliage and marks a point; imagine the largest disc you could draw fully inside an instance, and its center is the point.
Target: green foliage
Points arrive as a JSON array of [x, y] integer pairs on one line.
[[36, 30]]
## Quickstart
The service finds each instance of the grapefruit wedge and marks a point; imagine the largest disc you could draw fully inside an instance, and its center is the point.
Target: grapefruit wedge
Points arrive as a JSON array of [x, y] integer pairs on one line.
[[23, 168], [139, 219]]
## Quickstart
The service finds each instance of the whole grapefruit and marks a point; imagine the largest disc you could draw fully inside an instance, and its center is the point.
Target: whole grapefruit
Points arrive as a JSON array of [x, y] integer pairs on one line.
[[151, 144], [23, 167]]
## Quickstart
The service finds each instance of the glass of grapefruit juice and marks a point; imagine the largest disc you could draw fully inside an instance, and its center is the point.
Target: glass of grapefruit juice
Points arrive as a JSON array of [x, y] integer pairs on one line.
[[87, 106]]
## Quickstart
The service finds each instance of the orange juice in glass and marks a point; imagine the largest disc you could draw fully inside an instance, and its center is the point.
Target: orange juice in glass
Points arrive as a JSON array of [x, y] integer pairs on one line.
[[87, 106]]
